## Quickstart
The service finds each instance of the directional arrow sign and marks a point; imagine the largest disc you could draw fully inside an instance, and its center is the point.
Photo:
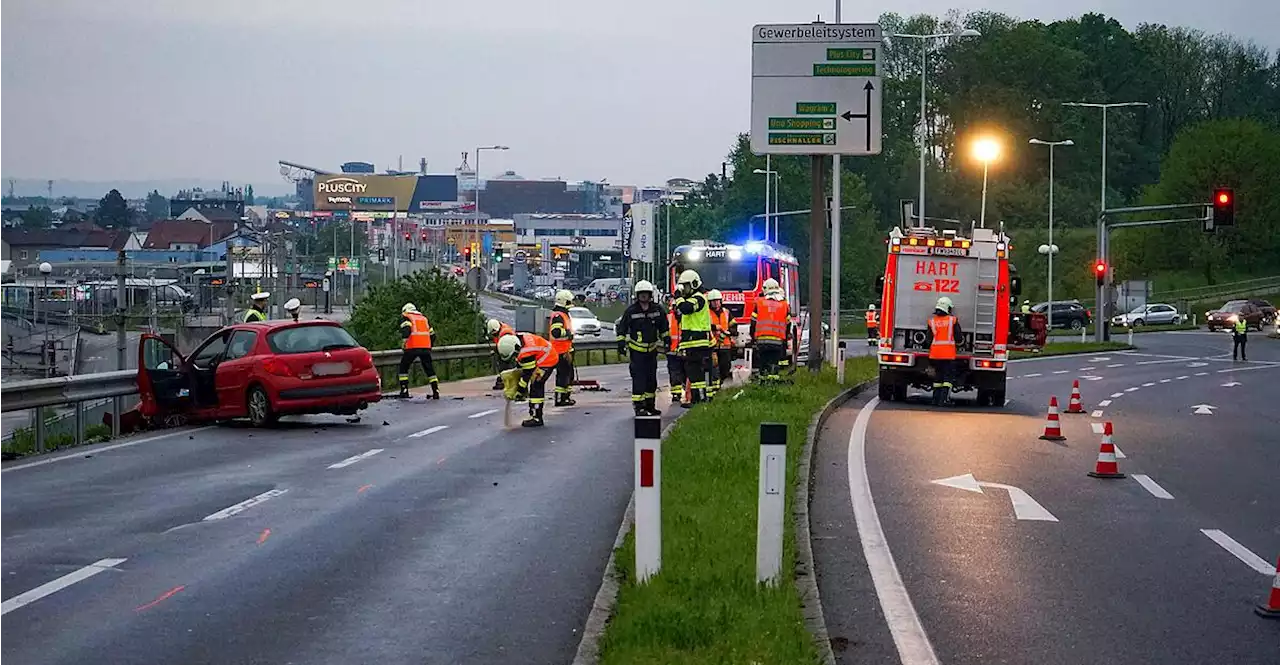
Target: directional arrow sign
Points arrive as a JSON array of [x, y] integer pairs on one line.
[[1231, 384], [1024, 507], [1204, 409]]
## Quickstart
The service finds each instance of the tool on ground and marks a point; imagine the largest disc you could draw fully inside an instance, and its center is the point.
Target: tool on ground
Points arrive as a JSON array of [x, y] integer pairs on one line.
[[586, 384], [1271, 608], [1052, 426], [1106, 467], [1074, 406]]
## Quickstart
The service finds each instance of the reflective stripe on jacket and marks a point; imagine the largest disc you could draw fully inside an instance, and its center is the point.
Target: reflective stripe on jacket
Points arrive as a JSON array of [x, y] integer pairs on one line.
[[943, 328], [873, 319], [769, 320], [419, 331], [560, 331], [536, 351]]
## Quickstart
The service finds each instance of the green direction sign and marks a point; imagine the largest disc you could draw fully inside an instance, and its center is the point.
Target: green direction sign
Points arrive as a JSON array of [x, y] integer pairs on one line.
[[815, 108], [791, 138], [819, 124], [851, 54], [840, 69]]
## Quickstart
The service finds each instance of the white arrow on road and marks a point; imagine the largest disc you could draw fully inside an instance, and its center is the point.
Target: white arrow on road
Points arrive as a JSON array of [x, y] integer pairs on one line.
[[1203, 409], [1231, 384], [1024, 507]]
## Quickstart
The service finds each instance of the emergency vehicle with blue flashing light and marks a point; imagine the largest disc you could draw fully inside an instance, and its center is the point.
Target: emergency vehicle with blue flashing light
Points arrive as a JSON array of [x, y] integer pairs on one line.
[[738, 272], [975, 272]]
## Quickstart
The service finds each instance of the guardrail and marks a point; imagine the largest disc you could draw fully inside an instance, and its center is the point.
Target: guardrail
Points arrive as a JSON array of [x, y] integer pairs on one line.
[[75, 390]]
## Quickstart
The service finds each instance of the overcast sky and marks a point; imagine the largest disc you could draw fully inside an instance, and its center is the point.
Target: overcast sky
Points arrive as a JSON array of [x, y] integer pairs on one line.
[[635, 92]]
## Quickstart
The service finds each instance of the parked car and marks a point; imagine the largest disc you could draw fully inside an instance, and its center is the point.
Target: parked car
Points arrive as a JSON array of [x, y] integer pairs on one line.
[[1225, 317], [544, 293], [584, 322], [506, 286], [1066, 314], [1148, 315], [258, 371]]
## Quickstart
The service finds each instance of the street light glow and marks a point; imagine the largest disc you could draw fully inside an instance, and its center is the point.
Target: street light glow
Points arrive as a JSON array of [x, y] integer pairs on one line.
[[987, 150]]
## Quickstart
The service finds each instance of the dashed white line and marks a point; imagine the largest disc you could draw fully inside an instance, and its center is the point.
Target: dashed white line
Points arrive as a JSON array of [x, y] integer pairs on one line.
[[1129, 390], [1061, 371], [244, 505], [1202, 374], [429, 430], [1096, 414], [1148, 384], [1152, 486], [1105, 402], [1239, 551], [355, 458], [1086, 369], [1031, 376], [1165, 380], [54, 586], [482, 413], [1115, 365], [1115, 395], [1181, 378]]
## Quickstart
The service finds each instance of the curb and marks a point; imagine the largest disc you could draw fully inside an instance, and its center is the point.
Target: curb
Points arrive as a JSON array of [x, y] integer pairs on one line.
[[806, 578]]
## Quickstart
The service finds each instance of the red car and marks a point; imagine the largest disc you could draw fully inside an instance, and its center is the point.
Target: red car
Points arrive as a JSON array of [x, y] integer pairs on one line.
[[259, 371]]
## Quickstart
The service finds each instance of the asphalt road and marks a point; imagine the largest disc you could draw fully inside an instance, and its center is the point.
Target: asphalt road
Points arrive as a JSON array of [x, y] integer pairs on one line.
[[437, 537], [1163, 566]]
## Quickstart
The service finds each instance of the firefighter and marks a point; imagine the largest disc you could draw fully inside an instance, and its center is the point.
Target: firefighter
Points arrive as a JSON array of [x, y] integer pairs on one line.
[[695, 334], [257, 312], [642, 331], [496, 330], [873, 325], [944, 330], [418, 336], [722, 338], [560, 332], [675, 362], [293, 308], [1240, 337], [536, 359], [769, 323]]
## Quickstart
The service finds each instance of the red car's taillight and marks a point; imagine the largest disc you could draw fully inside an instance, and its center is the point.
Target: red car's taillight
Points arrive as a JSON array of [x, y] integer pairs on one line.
[[276, 367], [364, 362]]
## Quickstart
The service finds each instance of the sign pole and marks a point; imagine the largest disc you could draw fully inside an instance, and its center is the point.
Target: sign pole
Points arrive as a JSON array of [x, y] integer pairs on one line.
[[817, 212], [771, 504], [835, 239]]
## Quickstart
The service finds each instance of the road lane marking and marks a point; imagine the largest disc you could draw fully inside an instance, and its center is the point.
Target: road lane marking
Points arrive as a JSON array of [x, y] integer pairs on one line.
[[1115, 395], [1160, 362], [1148, 384], [57, 585], [1239, 551], [1202, 374], [1100, 359], [1096, 414], [1152, 486], [1181, 378], [1061, 371], [243, 505], [1032, 376], [1024, 507], [1129, 390], [355, 458], [429, 430], [1165, 380], [1232, 384], [1087, 369], [1105, 402], [1115, 365], [904, 624], [482, 413], [1098, 428], [163, 597], [81, 453], [1196, 364]]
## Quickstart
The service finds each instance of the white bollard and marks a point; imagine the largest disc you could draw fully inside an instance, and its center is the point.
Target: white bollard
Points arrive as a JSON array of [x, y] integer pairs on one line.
[[840, 363], [773, 481], [648, 488], [1130, 335], [1082, 335]]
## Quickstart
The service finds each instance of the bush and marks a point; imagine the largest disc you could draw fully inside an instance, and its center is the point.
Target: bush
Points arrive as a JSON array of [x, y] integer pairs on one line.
[[448, 304]]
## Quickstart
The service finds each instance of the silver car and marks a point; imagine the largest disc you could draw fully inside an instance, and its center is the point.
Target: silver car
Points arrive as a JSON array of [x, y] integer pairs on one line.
[[1148, 315]]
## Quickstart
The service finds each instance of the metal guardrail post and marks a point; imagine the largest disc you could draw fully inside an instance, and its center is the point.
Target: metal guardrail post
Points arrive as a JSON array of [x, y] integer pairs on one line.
[[79, 423], [39, 428]]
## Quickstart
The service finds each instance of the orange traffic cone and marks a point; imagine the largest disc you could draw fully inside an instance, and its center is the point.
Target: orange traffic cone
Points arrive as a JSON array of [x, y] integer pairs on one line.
[[1106, 466], [1271, 608], [1052, 428], [1075, 406]]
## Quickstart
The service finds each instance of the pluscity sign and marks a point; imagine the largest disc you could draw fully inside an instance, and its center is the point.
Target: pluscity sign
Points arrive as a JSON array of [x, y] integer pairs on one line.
[[341, 186]]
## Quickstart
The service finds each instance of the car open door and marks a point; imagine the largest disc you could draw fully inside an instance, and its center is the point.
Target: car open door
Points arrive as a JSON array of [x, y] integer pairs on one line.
[[164, 380]]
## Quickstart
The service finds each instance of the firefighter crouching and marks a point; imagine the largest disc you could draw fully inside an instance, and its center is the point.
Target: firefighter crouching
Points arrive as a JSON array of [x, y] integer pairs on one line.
[[695, 334], [496, 330], [642, 332], [560, 331], [944, 330], [418, 336], [536, 359], [770, 319], [873, 325], [722, 342], [257, 312], [675, 361]]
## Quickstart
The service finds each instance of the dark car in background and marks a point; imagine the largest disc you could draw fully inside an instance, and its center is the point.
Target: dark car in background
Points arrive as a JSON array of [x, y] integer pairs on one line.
[[1256, 313], [1068, 314]]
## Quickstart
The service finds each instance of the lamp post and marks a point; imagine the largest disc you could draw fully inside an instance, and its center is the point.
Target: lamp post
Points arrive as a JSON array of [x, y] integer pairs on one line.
[[1050, 249], [477, 201], [45, 270], [924, 104], [769, 180], [987, 150]]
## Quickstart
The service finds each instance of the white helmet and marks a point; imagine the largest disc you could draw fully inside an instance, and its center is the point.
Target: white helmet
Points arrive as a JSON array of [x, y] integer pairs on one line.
[[770, 284], [292, 305], [564, 298], [508, 346], [642, 286], [261, 295], [493, 326], [408, 307], [871, 307], [944, 304], [776, 294], [689, 278], [714, 294]]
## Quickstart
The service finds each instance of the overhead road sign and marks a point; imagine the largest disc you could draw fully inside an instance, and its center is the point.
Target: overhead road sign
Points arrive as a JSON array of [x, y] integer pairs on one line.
[[815, 89]]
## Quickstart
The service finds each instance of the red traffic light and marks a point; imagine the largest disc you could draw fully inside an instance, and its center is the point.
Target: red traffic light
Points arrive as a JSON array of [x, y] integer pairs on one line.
[[1100, 267], [1224, 197], [406, 235]]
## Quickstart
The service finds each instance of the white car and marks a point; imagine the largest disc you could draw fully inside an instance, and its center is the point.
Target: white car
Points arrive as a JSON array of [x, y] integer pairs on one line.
[[584, 322], [1148, 315]]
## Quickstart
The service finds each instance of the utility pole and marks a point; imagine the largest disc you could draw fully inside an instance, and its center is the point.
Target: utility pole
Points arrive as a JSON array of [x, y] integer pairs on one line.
[[122, 339], [229, 284], [817, 227], [835, 243]]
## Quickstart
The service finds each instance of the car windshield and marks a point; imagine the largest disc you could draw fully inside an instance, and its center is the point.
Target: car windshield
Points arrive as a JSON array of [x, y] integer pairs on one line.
[[727, 275], [581, 313], [1139, 310], [310, 339], [1233, 307]]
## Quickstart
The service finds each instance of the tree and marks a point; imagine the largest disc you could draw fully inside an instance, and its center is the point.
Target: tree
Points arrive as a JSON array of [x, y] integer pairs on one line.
[[451, 308], [40, 217], [157, 206], [113, 212]]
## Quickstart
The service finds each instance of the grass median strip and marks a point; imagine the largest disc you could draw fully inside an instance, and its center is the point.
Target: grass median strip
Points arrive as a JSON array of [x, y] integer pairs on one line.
[[1068, 348], [704, 606]]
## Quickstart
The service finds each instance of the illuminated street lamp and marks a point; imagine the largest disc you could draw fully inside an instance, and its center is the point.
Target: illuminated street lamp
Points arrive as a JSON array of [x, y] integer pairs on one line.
[[987, 150]]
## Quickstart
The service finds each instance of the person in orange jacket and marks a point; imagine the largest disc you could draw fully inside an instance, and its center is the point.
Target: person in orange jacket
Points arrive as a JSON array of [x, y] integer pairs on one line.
[[721, 342], [418, 336], [941, 337], [536, 359]]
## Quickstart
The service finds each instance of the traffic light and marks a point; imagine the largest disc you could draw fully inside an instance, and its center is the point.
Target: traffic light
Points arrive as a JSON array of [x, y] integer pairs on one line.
[[423, 236], [407, 236], [497, 255], [1100, 271], [413, 253], [466, 255], [1224, 207], [382, 255]]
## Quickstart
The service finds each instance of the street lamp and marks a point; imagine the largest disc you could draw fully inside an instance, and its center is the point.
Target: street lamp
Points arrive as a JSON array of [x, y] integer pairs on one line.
[[987, 150], [924, 52], [45, 270], [774, 181], [1050, 249], [477, 197]]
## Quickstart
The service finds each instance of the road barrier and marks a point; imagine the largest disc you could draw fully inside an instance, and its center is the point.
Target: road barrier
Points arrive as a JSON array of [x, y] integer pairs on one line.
[[75, 390], [648, 493], [772, 502]]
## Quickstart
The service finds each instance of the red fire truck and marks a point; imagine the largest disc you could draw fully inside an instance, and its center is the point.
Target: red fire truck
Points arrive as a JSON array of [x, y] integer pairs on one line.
[[738, 272], [925, 264]]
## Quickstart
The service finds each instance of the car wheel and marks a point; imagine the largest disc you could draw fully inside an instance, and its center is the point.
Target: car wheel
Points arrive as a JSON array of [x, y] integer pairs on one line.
[[1076, 324], [259, 407], [1137, 323]]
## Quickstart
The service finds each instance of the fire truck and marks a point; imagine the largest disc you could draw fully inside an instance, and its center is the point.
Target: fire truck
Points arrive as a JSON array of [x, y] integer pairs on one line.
[[738, 271], [925, 264]]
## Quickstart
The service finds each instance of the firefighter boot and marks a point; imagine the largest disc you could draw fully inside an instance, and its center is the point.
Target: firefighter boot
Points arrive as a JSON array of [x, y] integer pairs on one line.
[[535, 416], [435, 388], [497, 383], [638, 407], [404, 386], [937, 394], [650, 409]]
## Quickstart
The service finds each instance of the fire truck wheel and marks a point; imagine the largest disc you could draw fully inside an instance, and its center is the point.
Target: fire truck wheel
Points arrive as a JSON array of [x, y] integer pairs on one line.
[[900, 392], [886, 392]]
